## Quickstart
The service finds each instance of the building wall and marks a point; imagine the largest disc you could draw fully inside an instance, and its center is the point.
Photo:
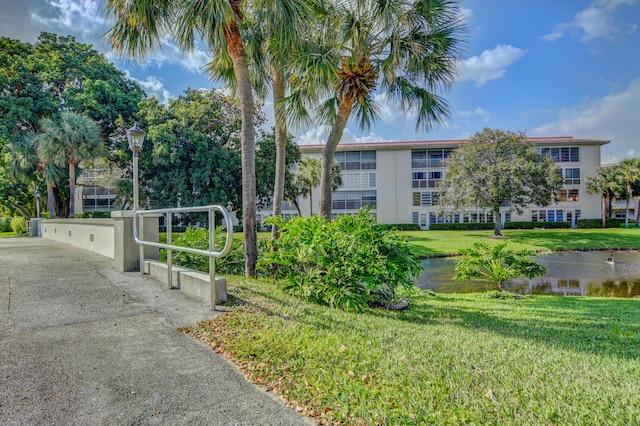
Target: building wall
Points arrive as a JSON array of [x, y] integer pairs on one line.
[[395, 184]]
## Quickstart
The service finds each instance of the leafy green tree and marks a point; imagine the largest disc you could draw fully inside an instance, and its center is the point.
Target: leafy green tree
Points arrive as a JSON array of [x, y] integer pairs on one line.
[[606, 183], [629, 170], [496, 264], [68, 141], [498, 168], [54, 74], [192, 149], [405, 49], [138, 28]]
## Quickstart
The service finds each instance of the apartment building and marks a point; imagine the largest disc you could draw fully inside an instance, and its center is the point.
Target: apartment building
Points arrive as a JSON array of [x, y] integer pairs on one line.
[[400, 181]]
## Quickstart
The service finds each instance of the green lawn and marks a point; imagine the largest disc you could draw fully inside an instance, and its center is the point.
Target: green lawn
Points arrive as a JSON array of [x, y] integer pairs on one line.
[[440, 243], [7, 234], [448, 359]]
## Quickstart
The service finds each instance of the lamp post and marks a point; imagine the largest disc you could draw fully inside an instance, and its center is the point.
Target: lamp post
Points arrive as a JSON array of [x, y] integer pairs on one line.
[[38, 203], [135, 135]]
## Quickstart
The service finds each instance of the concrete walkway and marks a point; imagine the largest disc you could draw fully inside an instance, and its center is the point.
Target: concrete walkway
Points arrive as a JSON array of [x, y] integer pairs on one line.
[[82, 344]]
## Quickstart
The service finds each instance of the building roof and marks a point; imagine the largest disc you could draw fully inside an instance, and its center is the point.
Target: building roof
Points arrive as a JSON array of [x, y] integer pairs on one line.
[[395, 145]]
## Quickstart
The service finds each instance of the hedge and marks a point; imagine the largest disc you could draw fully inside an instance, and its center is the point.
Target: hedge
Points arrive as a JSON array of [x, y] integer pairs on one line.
[[97, 214], [532, 225], [473, 226], [5, 224], [597, 223], [19, 225]]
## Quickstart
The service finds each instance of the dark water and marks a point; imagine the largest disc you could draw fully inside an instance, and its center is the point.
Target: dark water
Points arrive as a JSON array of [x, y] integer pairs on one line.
[[570, 273]]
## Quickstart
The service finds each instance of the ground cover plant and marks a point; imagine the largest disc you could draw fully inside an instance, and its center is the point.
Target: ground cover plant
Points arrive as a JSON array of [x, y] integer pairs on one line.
[[445, 243], [350, 262], [448, 359]]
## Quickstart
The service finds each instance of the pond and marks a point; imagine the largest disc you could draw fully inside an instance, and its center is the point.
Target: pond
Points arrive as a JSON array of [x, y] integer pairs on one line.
[[568, 273]]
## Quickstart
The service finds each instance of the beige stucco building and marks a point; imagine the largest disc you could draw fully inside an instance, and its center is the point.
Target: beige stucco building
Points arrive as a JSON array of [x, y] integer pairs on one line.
[[400, 181]]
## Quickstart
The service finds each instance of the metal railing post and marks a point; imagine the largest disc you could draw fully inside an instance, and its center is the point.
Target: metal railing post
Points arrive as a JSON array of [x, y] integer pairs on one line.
[[141, 247], [212, 260], [168, 219]]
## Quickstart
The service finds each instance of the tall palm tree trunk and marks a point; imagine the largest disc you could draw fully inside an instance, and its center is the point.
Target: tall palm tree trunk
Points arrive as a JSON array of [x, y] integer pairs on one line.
[[626, 213], [72, 189], [50, 201], [344, 110], [248, 146], [604, 210], [277, 78]]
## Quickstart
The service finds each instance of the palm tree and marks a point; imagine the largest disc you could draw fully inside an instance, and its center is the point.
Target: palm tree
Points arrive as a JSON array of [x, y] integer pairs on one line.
[[307, 177], [67, 141], [614, 184], [407, 49], [629, 170], [598, 185], [138, 27], [24, 165]]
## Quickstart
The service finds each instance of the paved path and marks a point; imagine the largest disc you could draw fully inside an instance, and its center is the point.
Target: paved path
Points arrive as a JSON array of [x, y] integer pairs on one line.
[[82, 344]]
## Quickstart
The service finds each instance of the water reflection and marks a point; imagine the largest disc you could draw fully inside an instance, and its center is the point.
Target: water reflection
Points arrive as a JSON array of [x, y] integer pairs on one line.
[[570, 273]]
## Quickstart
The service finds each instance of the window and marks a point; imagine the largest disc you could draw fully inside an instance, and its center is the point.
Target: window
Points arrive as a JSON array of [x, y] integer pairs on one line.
[[572, 176], [356, 160], [353, 200], [416, 199], [419, 180], [418, 159], [414, 217], [359, 180], [571, 195], [562, 155]]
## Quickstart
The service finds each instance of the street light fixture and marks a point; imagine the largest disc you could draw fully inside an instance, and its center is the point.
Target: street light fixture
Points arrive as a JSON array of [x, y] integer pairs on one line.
[[135, 135], [38, 203]]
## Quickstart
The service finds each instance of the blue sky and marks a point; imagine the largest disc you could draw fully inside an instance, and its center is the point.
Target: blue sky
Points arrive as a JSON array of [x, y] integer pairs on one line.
[[548, 68]]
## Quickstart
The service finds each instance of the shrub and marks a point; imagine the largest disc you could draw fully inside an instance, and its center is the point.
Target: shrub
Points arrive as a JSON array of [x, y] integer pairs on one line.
[[349, 263], [403, 227], [473, 226], [496, 264], [532, 225], [5, 224], [232, 263], [19, 225], [93, 214], [597, 223]]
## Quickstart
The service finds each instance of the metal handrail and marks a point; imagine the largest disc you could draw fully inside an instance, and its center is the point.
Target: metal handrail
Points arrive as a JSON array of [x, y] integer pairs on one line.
[[211, 253]]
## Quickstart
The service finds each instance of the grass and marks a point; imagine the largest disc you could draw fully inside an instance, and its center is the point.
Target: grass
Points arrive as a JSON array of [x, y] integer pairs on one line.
[[442, 243], [7, 234], [448, 359]]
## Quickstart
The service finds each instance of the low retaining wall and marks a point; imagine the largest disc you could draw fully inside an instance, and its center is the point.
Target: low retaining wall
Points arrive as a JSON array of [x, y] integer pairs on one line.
[[112, 237], [193, 283], [95, 235]]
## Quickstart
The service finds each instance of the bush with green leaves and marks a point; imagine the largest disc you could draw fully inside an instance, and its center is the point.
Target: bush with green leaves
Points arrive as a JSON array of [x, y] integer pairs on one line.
[[5, 224], [198, 238], [19, 225], [349, 263], [496, 264]]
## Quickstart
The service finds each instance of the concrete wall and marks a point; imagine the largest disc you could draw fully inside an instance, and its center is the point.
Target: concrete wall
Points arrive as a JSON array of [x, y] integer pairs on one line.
[[112, 237], [95, 235]]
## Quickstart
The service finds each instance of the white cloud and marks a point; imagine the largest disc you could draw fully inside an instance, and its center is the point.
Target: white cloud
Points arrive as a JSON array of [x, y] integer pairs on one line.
[[476, 112], [597, 21], [153, 87], [613, 117], [490, 65], [315, 136]]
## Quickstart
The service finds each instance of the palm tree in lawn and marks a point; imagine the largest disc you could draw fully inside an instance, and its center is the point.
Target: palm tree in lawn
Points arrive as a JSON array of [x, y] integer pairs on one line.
[[605, 183], [629, 170], [407, 49], [307, 177], [140, 25], [614, 184], [69, 140]]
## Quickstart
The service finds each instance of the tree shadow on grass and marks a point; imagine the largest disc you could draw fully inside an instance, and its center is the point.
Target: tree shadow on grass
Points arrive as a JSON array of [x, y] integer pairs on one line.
[[598, 327]]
